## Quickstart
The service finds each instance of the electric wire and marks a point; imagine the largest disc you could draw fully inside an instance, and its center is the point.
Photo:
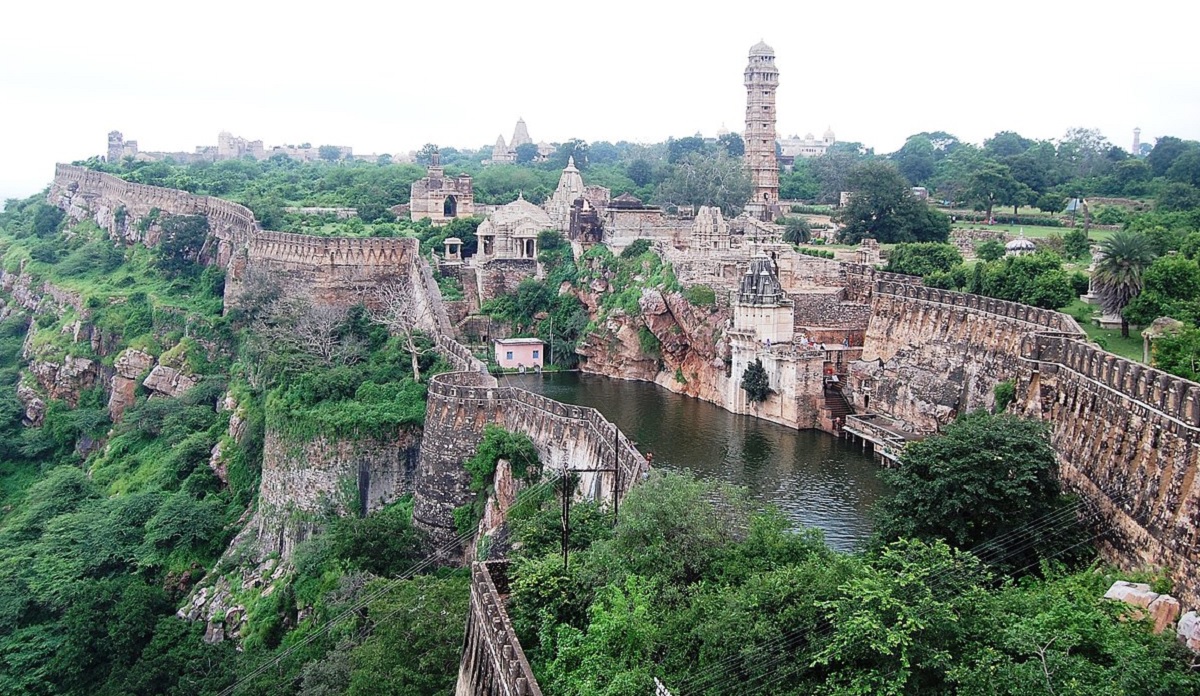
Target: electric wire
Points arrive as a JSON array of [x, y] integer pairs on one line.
[[1053, 523], [374, 595]]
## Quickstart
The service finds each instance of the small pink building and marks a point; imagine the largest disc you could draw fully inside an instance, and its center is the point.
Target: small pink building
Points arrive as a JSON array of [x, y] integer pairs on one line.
[[519, 352]]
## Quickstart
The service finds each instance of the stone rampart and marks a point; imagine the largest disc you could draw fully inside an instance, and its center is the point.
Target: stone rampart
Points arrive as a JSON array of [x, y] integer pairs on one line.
[[493, 663], [1125, 434], [1127, 438], [460, 404]]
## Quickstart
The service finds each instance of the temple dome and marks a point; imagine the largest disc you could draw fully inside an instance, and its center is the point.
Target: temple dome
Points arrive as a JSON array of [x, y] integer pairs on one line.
[[1020, 245], [761, 49]]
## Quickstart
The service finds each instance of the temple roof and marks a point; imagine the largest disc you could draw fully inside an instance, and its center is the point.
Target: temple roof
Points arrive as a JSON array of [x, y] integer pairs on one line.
[[761, 49]]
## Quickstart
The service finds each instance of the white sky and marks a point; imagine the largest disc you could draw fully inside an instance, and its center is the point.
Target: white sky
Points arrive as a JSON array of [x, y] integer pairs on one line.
[[390, 77]]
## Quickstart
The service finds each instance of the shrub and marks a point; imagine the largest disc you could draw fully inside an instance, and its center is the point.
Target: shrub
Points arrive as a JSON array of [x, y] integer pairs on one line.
[[700, 295], [636, 249]]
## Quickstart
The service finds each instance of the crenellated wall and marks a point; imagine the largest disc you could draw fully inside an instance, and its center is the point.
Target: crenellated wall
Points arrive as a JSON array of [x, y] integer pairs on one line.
[[460, 404], [334, 270], [930, 354], [1127, 438], [1126, 435], [493, 663]]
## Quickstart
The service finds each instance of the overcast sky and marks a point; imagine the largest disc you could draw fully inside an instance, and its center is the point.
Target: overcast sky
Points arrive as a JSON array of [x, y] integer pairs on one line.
[[389, 77]]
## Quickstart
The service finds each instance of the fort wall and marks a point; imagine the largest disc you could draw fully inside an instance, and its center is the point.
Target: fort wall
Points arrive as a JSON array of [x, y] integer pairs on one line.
[[461, 404], [493, 663], [1125, 434]]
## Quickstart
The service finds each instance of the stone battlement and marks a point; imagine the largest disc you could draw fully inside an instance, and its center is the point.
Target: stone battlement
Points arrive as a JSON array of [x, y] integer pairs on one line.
[[1125, 434], [492, 661], [459, 406]]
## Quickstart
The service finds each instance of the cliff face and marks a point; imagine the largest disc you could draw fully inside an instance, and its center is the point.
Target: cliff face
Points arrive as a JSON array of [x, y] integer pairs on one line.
[[303, 482], [683, 341]]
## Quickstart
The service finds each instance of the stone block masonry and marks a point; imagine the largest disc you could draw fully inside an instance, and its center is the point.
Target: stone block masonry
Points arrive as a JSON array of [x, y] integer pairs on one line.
[[461, 404], [493, 663], [1127, 436]]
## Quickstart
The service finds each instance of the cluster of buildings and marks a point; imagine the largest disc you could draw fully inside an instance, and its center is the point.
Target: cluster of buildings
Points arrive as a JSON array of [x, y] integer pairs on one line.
[[230, 147], [506, 153]]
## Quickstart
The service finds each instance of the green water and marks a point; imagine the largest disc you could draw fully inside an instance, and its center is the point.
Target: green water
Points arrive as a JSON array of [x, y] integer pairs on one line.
[[816, 479]]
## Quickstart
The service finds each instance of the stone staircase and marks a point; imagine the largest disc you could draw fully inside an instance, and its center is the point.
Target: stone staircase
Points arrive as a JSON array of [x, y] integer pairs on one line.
[[835, 407]]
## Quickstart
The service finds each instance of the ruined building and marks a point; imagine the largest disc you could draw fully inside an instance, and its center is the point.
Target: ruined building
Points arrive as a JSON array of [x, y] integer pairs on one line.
[[439, 198], [762, 79], [511, 231]]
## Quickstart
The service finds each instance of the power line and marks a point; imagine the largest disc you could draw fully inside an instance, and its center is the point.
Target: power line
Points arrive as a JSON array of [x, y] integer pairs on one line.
[[721, 673], [359, 604]]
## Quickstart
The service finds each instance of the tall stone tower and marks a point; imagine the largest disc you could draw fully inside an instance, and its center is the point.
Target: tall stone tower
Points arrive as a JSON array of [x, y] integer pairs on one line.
[[762, 79], [116, 146], [1137, 142]]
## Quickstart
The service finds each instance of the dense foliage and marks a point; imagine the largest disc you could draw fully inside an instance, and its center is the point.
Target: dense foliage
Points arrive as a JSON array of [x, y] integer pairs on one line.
[[696, 588]]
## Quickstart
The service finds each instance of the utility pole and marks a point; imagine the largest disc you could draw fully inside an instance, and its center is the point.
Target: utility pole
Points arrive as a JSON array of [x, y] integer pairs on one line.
[[566, 515], [616, 470]]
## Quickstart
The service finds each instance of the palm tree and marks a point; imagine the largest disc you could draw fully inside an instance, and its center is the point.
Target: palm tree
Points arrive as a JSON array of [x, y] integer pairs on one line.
[[1118, 276]]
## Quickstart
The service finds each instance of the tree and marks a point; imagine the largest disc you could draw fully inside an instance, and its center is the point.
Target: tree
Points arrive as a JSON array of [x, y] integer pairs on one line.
[[974, 485], [678, 149], [1171, 288], [573, 148], [733, 144], [426, 153], [1118, 276], [183, 237], [640, 171], [795, 230], [755, 381], [329, 153], [1186, 168], [1051, 202], [1007, 144], [923, 258], [991, 185], [1179, 354], [832, 170], [915, 160], [1076, 244], [1166, 150], [526, 153], [882, 206], [989, 250], [1176, 196], [397, 306], [700, 179]]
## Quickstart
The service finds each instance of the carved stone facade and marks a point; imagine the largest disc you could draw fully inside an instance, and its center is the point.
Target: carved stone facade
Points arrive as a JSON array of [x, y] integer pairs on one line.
[[439, 198], [511, 231], [762, 79]]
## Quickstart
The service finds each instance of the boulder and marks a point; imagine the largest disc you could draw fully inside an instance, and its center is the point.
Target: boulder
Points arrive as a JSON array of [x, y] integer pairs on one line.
[[35, 407], [1164, 612], [129, 366], [1137, 594], [168, 381], [1188, 631]]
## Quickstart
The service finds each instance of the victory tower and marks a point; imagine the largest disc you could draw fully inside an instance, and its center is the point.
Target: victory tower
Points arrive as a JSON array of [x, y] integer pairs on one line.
[[762, 78]]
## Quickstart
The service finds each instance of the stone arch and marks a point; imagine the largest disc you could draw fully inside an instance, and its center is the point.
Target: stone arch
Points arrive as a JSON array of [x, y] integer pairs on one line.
[[450, 207]]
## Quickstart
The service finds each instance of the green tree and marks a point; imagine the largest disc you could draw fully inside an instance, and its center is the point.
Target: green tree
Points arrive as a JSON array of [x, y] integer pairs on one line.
[[1051, 203], [1076, 244], [795, 230], [733, 144], [329, 153], [679, 149], [1118, 276], [1166, 150], [526, 153], [991, 185], [1171, 288], [640, 171], [989, 250], [977, 484], [882, 206], [755, 381], [699, 179], [183, 237], [426, 153], [915, 160], [1179, 354], [923, 258]]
